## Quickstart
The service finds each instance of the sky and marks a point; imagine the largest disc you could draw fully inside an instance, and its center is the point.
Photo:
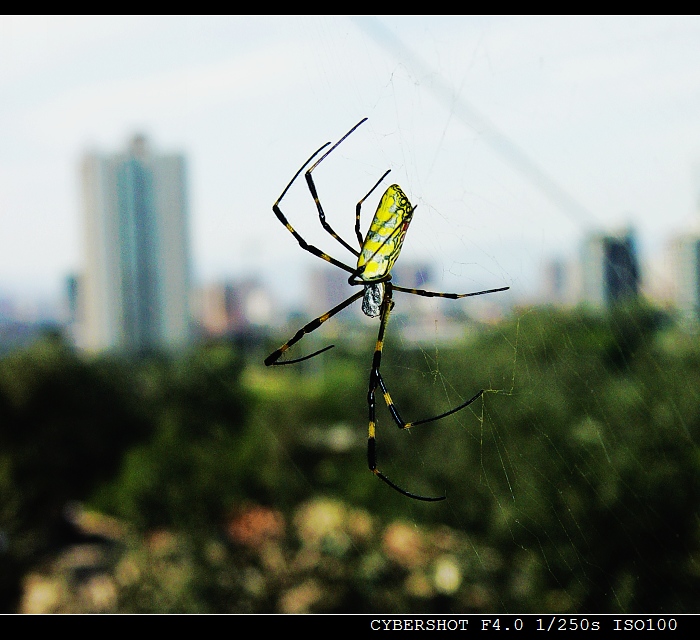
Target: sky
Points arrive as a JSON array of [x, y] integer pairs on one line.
[[515, 136]]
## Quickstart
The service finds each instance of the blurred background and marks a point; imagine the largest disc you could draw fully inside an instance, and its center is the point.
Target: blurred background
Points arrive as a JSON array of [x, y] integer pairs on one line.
[[149, 462]]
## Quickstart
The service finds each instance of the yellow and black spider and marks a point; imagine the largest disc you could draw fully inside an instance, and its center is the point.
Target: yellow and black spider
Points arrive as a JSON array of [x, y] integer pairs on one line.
[[378, 252]]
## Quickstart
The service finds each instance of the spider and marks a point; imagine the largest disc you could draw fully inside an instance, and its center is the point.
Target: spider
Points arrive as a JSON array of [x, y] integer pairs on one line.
[[378, 252]]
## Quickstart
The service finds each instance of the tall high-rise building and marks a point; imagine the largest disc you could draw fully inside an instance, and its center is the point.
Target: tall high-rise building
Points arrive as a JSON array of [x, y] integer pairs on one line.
[[135, 288], [610, 268]]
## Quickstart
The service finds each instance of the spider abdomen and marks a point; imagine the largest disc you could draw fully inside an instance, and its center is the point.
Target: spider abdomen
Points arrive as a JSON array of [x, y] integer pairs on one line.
[[383, 242]]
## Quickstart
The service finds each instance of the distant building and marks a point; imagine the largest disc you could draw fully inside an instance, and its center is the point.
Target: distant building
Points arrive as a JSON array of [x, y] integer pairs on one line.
[[685, 258], [72, 287], [610, 269], [233, 308], [554, 282], [413, 275], [135, 288], [217, 309], [419, 310], [328, 288]]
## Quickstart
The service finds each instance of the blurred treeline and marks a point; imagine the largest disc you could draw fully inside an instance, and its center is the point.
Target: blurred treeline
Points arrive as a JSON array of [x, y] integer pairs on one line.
[[209, 483]]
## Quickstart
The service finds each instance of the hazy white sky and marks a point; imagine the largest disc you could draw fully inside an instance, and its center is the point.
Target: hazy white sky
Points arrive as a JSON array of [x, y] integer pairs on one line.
[[607, 108]]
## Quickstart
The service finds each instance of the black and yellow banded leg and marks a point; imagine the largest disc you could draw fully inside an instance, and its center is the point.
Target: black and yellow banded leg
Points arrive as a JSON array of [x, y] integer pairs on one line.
[[273, 358], [322, 215], [283, 219], [358, 207], [374, 382], [305, 245], [402, 424], [440, 294], [317, 201]]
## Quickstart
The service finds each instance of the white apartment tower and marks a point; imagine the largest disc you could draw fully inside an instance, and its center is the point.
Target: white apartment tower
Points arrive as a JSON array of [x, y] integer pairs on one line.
[[134, 294]]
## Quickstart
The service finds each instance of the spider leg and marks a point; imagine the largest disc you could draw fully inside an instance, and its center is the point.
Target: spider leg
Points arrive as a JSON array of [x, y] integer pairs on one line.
[[440, 294], [273, 358], [314, 194], [402, 424], [359, 206], [374, 382], [283, 219]]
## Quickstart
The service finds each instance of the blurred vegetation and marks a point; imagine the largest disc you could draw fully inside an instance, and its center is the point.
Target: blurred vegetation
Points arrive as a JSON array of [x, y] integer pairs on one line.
[[213, 484]]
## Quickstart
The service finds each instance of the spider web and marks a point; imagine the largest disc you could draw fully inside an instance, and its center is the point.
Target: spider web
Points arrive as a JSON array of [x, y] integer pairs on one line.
[[572, 484], [488, 215]]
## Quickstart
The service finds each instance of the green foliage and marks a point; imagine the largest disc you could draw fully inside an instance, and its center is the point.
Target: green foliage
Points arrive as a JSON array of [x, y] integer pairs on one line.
[[64, 424], [199, 458], [596, 448], [572, 484]]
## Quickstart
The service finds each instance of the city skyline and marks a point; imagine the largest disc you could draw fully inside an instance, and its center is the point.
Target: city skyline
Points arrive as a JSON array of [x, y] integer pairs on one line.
[[604, 106]]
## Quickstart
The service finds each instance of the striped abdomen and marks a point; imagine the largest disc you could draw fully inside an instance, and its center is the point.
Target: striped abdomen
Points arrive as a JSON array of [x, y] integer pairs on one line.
[[386, 234]]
